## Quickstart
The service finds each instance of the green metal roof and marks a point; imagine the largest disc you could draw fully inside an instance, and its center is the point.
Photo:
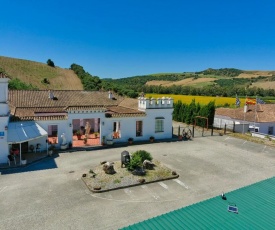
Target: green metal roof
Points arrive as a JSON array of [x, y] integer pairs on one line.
[[256, 210]]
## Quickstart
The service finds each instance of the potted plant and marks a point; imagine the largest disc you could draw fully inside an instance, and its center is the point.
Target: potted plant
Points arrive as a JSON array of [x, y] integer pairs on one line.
[[151, 139], [23, 161], [78, 134], [103, 140], [31, 148], [109, 141], [51, 149], [96, 134], [130, 140]]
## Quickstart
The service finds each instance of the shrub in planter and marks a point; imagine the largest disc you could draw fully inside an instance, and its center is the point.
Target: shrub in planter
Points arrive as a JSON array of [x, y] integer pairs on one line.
[[144, 155], [51, 149], [78, 134], [134, 163], [137, 159]]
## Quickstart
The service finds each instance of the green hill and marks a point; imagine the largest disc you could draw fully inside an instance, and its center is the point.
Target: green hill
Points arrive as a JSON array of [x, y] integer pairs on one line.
[[40, 75], [26, 74]]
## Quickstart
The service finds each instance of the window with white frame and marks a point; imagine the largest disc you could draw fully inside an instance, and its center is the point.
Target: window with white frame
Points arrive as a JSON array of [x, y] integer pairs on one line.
[[159, 124], [138, 128], [116, 130]]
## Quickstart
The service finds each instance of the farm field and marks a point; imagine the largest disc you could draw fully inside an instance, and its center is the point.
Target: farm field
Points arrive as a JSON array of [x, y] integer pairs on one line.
[[187, 99], [265, 85]]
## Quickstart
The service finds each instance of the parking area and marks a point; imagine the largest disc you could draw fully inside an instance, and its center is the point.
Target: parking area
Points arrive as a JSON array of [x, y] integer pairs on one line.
[[56, 198]]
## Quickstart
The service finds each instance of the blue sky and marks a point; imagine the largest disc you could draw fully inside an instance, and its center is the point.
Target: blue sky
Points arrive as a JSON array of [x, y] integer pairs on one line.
[[123, 38]]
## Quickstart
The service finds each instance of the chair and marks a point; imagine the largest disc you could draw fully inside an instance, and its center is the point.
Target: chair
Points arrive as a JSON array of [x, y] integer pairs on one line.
[[38, 148], [11, 158]]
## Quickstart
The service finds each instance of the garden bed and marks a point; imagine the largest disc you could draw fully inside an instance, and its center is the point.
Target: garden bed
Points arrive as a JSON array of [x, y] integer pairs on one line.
[[98, 181]]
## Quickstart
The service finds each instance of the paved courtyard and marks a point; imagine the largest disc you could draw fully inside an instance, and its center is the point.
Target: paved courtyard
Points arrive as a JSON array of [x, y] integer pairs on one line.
[[50, 194]]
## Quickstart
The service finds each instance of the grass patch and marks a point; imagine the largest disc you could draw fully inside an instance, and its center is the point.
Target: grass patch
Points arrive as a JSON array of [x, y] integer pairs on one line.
[[248, 137]]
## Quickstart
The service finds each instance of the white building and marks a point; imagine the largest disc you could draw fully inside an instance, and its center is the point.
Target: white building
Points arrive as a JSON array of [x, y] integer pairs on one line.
[[259, 118], [31, 118]]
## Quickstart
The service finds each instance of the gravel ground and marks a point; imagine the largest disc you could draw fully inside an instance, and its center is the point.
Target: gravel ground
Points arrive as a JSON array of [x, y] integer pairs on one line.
[[98, 181]]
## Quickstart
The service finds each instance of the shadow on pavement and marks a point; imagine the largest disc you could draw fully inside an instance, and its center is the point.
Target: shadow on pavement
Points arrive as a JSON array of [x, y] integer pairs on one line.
[[43, 164]]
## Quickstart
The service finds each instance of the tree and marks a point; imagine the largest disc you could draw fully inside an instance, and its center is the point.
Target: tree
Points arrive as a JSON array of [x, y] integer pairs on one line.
[[50, 63]]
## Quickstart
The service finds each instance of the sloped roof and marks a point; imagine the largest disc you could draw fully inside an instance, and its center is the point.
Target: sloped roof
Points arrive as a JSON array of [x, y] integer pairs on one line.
[[129, 103], [264, 113], [26, 131], [40, 98], [120, 111], [255, 205], [27, 104]]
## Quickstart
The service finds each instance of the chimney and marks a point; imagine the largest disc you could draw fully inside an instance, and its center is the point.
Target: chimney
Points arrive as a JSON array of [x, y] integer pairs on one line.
[[110, 95], [51, 96]]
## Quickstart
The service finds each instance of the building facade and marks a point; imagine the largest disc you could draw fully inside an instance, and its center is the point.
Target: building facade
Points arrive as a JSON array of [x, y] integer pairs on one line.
[[33, 120], [259, 118]]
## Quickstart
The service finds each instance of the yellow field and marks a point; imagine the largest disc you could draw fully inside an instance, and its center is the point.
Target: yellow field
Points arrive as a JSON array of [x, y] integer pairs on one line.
[[201, 99]]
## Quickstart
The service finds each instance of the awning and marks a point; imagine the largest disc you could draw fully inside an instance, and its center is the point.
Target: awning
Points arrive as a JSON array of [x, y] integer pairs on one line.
[[19, 132]]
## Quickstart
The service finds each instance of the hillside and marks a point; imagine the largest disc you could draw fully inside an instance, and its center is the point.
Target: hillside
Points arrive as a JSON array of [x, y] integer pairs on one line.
[[35, 73], [211, 82], [222, 77]]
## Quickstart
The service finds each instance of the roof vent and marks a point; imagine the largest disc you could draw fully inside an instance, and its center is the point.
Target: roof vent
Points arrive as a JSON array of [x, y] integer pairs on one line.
[[51, 96]]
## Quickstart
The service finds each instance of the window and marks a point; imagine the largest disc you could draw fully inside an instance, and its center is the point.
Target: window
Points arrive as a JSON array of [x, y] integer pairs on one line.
[[159, 127], [270, 130], [53, 134], [116, 130], [138, 128]]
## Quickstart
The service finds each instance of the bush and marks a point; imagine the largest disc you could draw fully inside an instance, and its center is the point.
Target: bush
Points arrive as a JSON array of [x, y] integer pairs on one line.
[[144, 155], [50, 63], [137, 159], [134, 163]]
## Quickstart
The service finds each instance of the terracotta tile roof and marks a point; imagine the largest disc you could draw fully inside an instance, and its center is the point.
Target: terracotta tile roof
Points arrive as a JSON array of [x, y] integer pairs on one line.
[[264, 113], [96, 107], [120, 111], [39, 118], [27, 104], [23, 112], [40, 98], [129, 103]]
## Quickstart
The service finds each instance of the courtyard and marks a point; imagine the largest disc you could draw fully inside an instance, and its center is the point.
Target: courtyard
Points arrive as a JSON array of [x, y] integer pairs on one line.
[[51, 195]]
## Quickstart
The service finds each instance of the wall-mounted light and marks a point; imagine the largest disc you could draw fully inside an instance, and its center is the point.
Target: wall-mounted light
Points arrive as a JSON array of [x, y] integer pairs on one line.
[[102, 122], [6, 127], [70, 125]]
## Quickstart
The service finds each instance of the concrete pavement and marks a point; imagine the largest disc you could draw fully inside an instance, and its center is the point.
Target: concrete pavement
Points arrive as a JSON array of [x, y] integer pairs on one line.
[[51, 195]]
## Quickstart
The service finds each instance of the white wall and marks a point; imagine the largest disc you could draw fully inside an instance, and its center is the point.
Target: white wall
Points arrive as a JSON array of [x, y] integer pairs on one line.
[[150, 123], [219, 122], [128, 126], [4, 90], [63, 127], [4, 147]]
